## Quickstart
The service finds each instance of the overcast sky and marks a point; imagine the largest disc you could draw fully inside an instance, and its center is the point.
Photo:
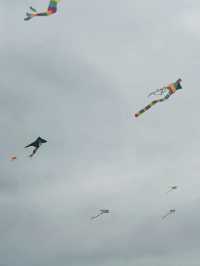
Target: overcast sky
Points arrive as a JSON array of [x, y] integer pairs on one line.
[[75, 79]]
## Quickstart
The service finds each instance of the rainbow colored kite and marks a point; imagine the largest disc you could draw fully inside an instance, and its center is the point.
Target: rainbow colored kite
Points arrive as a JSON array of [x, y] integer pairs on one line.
[[166, 92], [52, 9]]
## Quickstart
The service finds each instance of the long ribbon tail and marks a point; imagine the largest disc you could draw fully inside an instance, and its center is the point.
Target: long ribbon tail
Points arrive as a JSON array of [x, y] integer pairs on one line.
[[151, 104], [165, 216], [28, 16], [146, 108], [94, 217], [158, 92]]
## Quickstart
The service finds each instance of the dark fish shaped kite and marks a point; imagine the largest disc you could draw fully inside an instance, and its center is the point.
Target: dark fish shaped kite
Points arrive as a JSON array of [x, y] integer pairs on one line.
[[37, 143]]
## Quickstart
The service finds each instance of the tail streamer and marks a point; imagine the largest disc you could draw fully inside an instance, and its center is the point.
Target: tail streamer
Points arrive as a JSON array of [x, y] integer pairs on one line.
[[146, 108]]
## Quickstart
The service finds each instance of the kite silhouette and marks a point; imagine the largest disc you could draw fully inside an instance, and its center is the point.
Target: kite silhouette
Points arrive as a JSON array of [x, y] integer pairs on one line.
[[36, 144]]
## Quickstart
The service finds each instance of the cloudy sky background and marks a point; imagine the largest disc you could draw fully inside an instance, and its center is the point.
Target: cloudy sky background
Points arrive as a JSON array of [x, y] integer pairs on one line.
[[76, 78]]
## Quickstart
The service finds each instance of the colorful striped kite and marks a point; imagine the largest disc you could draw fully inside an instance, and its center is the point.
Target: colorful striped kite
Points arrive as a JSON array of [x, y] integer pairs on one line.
[[166, 91], [52, 8]]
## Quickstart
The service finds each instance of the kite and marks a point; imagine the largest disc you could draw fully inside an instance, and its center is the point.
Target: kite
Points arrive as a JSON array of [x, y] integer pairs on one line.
[[172, 188], [101, 213], [37, 143], [166, 92], [52, 9], [172, 211], [12, 158]]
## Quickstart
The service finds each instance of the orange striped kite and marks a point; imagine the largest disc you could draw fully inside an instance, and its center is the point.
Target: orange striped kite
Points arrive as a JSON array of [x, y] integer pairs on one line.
[[166, 92]]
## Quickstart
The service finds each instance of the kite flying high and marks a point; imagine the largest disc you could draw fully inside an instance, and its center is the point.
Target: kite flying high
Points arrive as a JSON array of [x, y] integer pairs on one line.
[[101, 213], [52, 8], [172, 211], [172, 188], [12, 158], [37, 143], [166, 92]]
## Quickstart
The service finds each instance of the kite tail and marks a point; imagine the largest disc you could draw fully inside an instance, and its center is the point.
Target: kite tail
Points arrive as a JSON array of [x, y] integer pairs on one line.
[[146, 108], [33, 9], [94, 217], [165, 216], [161, 92], [49, 12], [151, 104], [28, 16], [34, 151]]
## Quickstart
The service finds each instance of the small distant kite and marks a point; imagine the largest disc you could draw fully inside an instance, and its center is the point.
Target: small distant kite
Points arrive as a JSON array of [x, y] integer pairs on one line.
[[172, 211], [12, 158], [104, 211], [166, 92], [172, 188], [52, 9], [37, 143]]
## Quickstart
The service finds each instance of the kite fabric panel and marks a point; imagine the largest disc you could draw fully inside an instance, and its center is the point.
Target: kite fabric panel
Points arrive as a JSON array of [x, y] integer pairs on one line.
[[52, 8]]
